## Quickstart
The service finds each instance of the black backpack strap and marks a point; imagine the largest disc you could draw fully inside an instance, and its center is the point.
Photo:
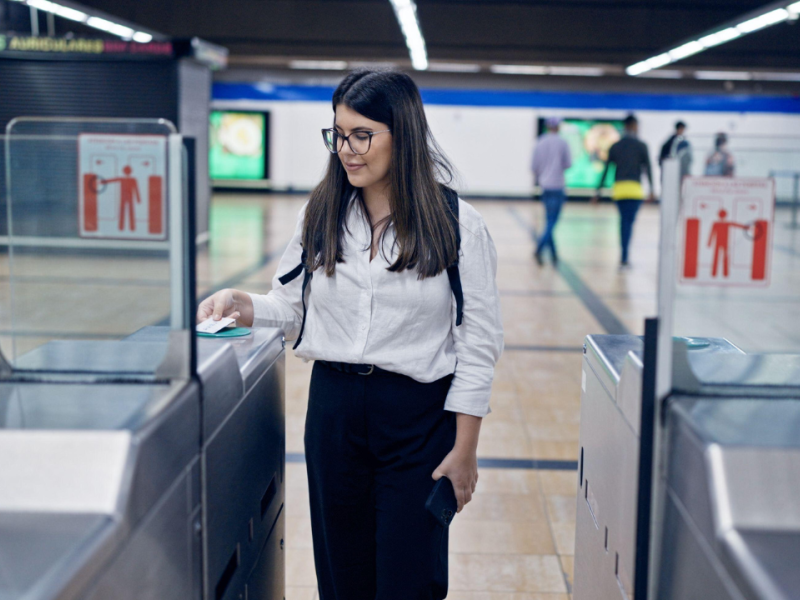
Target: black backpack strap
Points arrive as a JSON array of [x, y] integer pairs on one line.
[[453, 274], [291, 276]]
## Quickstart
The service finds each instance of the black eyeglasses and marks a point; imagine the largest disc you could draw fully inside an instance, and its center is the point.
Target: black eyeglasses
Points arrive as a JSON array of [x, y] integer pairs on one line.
[[359, 141]]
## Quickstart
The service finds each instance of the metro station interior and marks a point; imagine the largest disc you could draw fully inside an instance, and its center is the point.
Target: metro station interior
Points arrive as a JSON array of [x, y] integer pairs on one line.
[[643, 438]]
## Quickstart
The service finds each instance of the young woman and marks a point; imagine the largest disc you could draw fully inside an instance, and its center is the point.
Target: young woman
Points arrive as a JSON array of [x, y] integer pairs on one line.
[[398, 388]]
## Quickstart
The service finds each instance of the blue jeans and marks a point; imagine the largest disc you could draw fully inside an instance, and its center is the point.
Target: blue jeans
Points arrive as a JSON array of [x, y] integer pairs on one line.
[[553, 200], [627, 214]]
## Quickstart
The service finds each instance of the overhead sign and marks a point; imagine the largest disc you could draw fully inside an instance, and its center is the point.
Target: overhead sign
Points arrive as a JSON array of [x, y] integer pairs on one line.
[[726, 231], [95, 46], [122, 186]]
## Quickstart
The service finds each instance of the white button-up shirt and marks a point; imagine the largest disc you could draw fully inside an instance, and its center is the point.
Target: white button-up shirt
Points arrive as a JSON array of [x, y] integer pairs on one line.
[[367, 314]]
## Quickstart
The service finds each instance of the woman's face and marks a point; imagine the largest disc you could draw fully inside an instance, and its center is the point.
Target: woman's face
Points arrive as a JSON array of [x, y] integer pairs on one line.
[[370, 169]]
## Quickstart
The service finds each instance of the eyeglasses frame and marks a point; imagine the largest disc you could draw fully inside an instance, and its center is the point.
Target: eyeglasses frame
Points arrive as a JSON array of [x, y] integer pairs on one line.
[[346, 138]]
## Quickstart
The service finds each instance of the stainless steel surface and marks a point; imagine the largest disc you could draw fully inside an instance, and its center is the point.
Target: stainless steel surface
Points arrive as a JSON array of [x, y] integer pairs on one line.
[[82, 356], [733, 481], [244, 457], [145, 464], [609, 441]]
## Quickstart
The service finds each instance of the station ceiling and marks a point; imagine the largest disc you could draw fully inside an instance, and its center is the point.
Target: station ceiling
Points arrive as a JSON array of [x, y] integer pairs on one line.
[[570, 32]]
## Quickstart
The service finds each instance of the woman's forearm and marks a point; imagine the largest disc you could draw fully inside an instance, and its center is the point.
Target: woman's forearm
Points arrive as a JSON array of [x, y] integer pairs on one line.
[[468, 431]]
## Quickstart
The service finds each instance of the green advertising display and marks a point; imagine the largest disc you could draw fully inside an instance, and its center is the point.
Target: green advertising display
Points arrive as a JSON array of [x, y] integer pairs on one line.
[[237, 148], [589, 141]]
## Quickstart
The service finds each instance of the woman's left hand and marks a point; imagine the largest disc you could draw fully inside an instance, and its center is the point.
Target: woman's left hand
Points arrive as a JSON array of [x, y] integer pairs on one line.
[[461, 468]]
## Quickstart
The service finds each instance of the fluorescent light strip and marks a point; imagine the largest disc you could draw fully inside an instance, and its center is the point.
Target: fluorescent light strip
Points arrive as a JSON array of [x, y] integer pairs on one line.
[[664, 74], [686, 50], [518, 69], [96, 22], [547, 70], [767, 19], [776, 76], [453, 67], [406, 13], [724, 75], [319, 65], [577, 71], [110, 27], [720, 37]]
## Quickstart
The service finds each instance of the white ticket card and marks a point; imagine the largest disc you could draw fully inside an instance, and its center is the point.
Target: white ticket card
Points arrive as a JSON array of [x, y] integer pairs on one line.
[[212, 326]]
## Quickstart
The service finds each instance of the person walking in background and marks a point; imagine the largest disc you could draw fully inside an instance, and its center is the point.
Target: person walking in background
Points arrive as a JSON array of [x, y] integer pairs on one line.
[[720, 161], [630, 156], [677, 146], [551, 158]]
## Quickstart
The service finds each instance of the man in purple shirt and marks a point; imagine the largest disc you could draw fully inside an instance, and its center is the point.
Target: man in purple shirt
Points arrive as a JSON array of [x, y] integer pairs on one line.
[[551, 158]]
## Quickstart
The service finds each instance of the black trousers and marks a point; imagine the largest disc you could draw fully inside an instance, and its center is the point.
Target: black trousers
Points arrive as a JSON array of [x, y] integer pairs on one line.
[[372, 443]]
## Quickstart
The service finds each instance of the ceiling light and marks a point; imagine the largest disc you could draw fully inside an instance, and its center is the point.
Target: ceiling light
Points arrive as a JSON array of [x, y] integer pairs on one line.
[[577, 71], [777, 76], [720, 37], [794, 10], [406, 13], [686, 50], [664, 74], [724, 75], [649, 64], [142, 37], [765, 20], [319, 65], [57, 9], [110, 27], [453, 67], [518, 69]]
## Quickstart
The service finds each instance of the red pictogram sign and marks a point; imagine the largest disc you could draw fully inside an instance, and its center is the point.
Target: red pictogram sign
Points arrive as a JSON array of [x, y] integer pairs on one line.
[[122, 181], [726, 231]]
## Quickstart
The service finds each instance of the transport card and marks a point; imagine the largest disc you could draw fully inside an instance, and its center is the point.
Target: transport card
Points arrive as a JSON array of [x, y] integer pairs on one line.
[[212, 326]]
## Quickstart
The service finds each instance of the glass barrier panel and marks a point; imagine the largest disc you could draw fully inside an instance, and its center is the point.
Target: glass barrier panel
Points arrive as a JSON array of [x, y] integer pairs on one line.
[[90, 255]]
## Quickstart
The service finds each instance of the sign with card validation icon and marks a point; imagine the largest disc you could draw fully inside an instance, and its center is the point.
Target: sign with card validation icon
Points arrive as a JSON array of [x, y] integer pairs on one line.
[[122, 186], [726, 231]]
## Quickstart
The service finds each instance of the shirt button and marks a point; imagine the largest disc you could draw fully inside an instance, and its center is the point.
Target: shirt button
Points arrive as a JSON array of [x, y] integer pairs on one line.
[[363, 327]]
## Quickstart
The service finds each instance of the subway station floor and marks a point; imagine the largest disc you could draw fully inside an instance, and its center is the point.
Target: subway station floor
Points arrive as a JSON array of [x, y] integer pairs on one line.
[[515, 540]]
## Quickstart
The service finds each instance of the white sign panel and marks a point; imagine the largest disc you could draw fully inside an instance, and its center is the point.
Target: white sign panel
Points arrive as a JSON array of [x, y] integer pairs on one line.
[[726, 231], [122, 186]]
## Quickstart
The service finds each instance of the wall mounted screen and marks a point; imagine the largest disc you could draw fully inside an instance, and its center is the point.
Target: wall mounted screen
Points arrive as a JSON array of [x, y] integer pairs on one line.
[[238, 148]]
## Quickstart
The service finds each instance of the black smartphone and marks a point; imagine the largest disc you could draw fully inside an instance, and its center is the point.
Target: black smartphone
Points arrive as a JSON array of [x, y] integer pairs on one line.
[[441, 502]]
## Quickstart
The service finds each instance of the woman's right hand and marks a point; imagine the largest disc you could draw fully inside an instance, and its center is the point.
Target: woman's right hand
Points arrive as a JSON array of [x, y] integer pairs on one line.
[[222, 304]]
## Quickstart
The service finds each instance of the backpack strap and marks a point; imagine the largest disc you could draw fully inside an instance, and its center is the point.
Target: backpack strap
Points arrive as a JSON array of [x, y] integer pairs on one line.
[[453, 274], [291, 276]]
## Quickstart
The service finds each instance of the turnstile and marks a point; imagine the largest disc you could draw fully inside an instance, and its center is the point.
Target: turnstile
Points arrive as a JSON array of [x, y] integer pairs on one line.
[[145, 490], [611, 397]]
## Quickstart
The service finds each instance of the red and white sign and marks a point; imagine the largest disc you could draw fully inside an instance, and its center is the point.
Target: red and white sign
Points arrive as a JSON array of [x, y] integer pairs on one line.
[[726, 231], [122, 183]]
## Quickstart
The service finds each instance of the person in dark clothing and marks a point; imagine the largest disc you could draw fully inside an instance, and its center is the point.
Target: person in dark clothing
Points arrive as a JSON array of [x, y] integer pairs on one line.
[[630, 156], [677, 146]]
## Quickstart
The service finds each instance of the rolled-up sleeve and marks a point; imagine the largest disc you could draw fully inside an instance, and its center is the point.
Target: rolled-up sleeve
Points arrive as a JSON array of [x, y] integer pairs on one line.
[[283, 306], [478, 341]]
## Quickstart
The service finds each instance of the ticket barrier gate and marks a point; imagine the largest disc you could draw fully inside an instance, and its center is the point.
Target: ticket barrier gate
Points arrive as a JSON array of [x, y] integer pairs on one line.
[[136, 462], [157, 515], [730, 524]]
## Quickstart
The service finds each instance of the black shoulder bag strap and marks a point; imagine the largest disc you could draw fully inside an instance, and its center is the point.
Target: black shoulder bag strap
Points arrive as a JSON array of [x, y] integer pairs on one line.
[[291, 276], [453, 273]]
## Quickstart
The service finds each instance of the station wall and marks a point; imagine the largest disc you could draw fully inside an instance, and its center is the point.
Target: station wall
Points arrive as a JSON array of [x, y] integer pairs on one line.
[[491, 142]]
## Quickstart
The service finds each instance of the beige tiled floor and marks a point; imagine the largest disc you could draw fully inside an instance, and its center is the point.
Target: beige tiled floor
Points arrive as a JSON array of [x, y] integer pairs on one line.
[[515, 541]]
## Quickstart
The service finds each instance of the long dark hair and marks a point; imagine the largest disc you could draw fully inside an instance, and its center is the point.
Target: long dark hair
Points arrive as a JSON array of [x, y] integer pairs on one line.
[[425, 231]]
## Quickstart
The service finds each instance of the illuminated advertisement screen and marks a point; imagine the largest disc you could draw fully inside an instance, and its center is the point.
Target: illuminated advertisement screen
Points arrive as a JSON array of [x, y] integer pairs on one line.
[[589, 141], [238, 145]]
